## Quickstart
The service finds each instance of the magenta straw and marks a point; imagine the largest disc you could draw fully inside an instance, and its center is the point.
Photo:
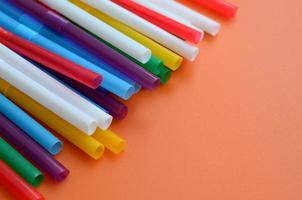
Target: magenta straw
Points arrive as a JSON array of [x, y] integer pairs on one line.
[[91, 44], [31, 150]]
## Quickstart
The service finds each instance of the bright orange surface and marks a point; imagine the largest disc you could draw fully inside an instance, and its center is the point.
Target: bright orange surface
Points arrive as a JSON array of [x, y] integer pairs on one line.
[[228, 126]]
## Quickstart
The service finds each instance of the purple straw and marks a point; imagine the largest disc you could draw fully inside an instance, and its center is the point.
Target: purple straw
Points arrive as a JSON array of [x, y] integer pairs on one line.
[[31, 150], [114, 107], [91, 44]]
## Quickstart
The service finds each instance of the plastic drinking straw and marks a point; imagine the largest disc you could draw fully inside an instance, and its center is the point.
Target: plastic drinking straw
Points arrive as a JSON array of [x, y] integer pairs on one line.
[[150, 30], [117, 39], [15, 184], [158, 9], [20, 165], [69, 31], [50, 60], [155, 70], [221, 7], [165, 75], [20, 15], [110, 82], [76, 48], [102, 119], [111, 140], [52, 93], [31, 150], [47, 98], [114, 107], [170, 59], [86, 143], [98, 61], [33, 129], [170, 25], [184, 14], [104, 31]]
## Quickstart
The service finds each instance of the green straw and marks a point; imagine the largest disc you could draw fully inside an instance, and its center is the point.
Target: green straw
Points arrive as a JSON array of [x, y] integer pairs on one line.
[[19, 164], [154, 65], [164, 75]]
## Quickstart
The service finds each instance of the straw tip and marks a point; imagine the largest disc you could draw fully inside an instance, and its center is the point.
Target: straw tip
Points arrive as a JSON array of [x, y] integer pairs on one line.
[[123, 112]]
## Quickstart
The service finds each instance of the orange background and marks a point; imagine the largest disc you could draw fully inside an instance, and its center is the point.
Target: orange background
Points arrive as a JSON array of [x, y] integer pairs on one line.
[[227, 126]]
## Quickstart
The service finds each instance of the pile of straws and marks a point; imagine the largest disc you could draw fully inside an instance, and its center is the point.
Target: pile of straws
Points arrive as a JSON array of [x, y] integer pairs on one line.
[[65, 64]]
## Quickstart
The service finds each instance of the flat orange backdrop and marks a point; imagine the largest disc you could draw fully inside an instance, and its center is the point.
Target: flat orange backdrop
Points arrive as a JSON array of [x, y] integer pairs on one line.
[[227, 126]]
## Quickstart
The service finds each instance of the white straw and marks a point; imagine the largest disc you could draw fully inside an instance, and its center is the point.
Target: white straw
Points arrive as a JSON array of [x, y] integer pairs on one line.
[[46, 98], [101, 29], [204, 23], [101, 118], [150, 30], [167, 13]]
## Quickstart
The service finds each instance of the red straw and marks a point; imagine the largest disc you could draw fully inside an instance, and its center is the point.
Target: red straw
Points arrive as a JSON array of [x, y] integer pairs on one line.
[[16, 185], [174, 27], [50, 60], [222, 7]]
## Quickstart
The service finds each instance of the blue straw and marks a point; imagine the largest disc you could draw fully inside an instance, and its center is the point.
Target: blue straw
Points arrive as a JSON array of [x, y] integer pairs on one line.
[[110, 82], [32, 128], [37, 25]]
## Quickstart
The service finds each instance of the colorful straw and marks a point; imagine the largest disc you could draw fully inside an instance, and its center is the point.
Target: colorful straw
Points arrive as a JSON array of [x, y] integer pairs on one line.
[[69, 31], [19, 188], [31, 150], [150, 30], [183, 14], [172, 26], [52, 93], [20, 165], [72, 134], [50, 60], [222, 7], [101, 29], [169, 58], [110, 82], [114, 107], [33, 129]]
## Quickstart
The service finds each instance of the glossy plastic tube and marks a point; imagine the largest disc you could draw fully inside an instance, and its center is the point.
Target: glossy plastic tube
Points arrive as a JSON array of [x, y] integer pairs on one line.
[[47, 98], [221, 7], [150, 30], [73, 46], [184, 14], [88, 144], [50, 60], [14, 184], [114, 107], [52, 93], [78, 49], [110, 82], [20, 165], [172, 26], [154, 65], [171, 15], [71, 31], [111, 74], [33, 129], [31, 150], [164, 75], [101, 29], [169, 58]]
